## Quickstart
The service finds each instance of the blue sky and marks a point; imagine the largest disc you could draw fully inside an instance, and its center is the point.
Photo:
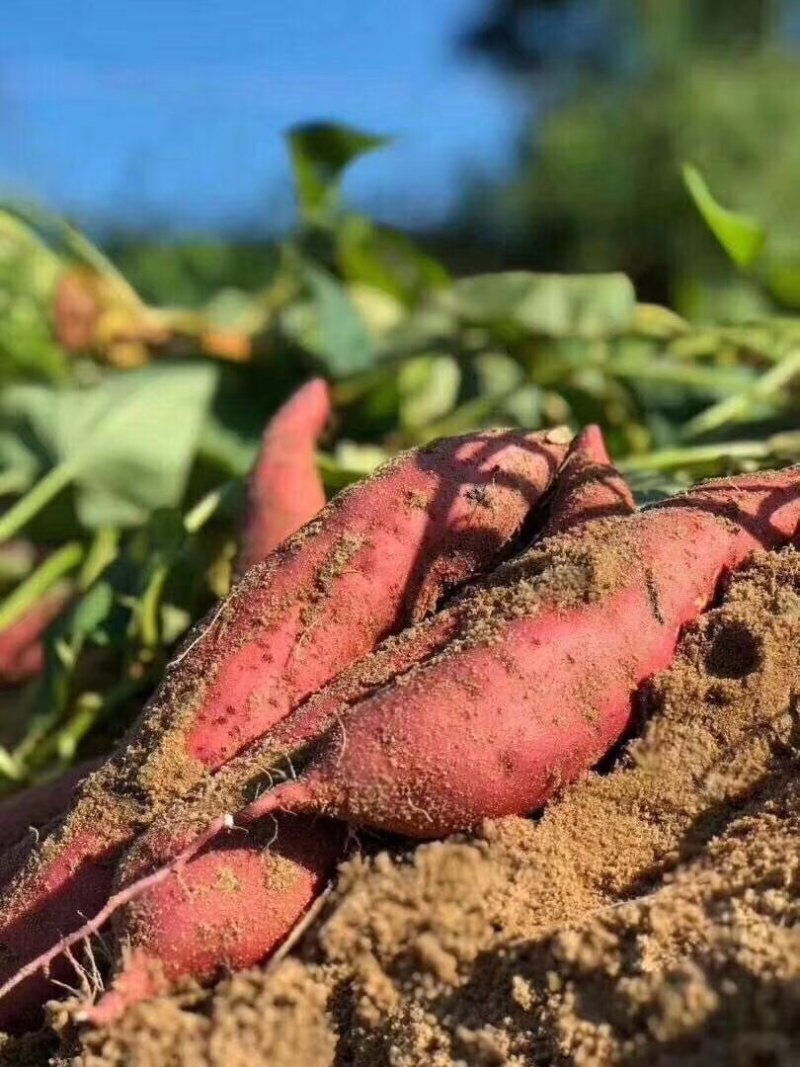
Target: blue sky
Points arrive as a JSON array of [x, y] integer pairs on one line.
[[170, 112]]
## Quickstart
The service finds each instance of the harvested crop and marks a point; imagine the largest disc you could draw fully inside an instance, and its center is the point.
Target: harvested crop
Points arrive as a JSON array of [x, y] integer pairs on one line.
[[246, 894], [513, 688], [35, 807], [539, 681], [285, 490], [382, 553], [21, 643], [587, 485]]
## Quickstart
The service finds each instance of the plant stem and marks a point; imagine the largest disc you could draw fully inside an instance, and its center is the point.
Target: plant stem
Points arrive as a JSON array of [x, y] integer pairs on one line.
[[102, 551], [781, 446], [31, 591], [203, 510], [736, 407], [149, 608], [672, 372], [34, 500]]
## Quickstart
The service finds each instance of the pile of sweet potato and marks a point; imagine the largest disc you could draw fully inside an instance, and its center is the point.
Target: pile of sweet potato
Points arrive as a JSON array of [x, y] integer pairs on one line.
[[452, 639]]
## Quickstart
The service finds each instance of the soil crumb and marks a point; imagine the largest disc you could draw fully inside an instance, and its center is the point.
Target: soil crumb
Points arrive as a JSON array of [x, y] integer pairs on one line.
[[650, 916]]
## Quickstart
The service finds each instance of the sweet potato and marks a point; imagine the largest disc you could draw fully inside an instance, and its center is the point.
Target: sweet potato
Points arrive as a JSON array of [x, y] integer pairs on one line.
[[540, 681], [246, 893], [587, 473], [587, 485], [381, 553], [285, 490], [21, 644], [33, 808]]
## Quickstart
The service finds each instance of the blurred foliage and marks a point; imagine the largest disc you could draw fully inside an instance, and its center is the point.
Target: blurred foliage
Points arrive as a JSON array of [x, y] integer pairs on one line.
[[127, 425], [620, 93]]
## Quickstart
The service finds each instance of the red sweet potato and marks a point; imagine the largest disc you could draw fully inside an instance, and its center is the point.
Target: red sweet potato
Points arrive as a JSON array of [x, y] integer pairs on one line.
[[21, 646], [285, 490], [380, 553], [594, 487], [586, 486], [540, 682], [37, 806], [241, 895]]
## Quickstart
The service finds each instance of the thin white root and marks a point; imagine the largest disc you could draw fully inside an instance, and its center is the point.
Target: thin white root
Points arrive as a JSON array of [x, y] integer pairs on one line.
[[94, 977], [115, 902], [274, 837], [102, 946], [200, 637], [292, 771], [299, 929], [70, 990], [87, 986]]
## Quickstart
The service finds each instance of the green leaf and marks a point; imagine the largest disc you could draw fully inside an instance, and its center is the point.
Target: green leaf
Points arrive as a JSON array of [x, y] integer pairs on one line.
[[330, 326], [225, 448], [428, 388], [134, 445], [387, 260], [126, 445], [321, 152], [783, 284], [552, 305], [741, 236], [68, 243], [497, 374], [350, 463], [234, 309], [380, 311], [433, 325]]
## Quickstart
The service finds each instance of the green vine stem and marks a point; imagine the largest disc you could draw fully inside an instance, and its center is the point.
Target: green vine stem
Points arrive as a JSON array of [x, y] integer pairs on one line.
[[55, 568]]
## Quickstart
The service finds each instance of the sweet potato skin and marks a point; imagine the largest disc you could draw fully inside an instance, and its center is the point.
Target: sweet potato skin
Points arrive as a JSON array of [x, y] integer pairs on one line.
[[233, 905], [372, 561], [512, 711], [21, 644], [588, 487], [89, 873], [285, 490], [37, 806]]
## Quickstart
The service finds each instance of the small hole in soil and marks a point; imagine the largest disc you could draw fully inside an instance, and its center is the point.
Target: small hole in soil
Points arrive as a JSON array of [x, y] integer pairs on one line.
[[719, 695], [735, 651]]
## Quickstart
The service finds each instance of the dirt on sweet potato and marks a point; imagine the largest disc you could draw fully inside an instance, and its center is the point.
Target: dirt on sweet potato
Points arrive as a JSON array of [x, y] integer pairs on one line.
[[651, 916]]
